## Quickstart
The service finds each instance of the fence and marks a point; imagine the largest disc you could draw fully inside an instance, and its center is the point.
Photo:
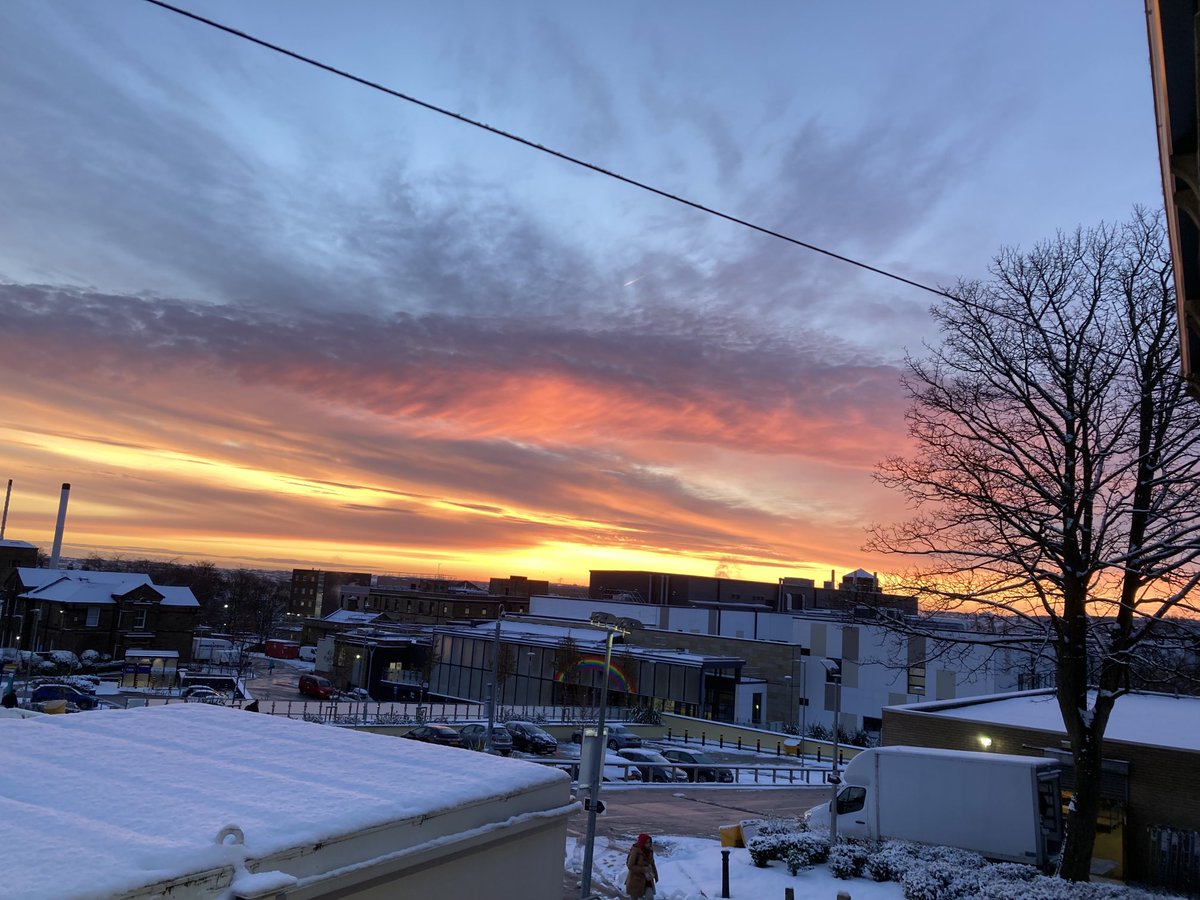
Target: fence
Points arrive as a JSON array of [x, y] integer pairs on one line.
[[1174, 858], [370, 712]]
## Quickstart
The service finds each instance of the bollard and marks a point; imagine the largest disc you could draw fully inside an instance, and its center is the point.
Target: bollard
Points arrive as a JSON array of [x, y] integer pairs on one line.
[[739, 742], [721, 740], [703, 738], [758, 745], [668, 734], [818, 754], [789, 894], [778, 749], [724, 873], [843, 895], [685, 736]]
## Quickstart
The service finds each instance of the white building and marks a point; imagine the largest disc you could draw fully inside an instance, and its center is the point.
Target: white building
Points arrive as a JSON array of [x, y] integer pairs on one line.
[[783, 681]]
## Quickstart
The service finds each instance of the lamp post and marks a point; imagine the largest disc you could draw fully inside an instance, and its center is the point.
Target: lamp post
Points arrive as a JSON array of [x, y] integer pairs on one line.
[[597, 767], [371, 645], [834, 668], [487, 738]]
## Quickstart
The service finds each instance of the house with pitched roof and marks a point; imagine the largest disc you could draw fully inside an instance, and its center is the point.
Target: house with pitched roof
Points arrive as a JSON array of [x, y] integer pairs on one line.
[[109, 612]]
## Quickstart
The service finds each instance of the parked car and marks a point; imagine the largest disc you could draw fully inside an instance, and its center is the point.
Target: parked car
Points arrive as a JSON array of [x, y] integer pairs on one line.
[[45, 693], [316, 686], [619, 737], [436, 734], [473, 738], [619, 768], [529, 738], [699, 766], [202, 693], [658, 768]]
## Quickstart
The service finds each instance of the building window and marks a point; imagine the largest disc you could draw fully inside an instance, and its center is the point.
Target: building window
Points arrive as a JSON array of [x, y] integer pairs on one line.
[[139, 620], [916, 679], [93, 616]]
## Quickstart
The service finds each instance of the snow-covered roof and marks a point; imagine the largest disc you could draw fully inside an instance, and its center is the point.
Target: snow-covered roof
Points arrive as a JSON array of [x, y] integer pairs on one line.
[[95, 588], [69, 829], [1158, 720], [22, 545], [351, 617], [590, 639]]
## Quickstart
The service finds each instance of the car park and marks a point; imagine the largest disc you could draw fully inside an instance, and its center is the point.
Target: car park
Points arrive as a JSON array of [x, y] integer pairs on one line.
[[47, 693], [529, 738], [316, 686], [699, 766], [473, 738], [654, 766], [436, 734], [619, 737]]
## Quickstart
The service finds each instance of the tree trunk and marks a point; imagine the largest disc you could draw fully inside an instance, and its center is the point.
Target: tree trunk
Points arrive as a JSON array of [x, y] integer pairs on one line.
[[1085, 806]]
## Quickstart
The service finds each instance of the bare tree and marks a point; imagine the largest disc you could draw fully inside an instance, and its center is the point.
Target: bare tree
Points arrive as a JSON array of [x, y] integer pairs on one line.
[[1055, 475], [567, 657]]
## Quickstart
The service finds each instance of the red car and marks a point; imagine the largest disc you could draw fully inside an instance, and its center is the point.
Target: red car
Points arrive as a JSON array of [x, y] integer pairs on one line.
[[316, 686]]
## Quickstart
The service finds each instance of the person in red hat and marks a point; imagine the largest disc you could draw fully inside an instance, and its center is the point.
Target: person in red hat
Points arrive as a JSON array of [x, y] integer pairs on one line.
[[643, 874]]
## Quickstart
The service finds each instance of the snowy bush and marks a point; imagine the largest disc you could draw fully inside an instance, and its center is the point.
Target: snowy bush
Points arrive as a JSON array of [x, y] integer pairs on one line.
[[928, 881], [891, 860], [91, 657], [847, 859], [798, 849], [804, 850], [64, 661]]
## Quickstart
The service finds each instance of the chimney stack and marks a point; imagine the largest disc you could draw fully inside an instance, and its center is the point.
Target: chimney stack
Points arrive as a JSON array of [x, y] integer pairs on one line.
[[4, 518], [58, 529]]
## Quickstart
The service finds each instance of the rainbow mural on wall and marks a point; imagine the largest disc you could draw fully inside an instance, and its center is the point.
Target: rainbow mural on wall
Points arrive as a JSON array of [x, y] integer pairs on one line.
[[589, 667]]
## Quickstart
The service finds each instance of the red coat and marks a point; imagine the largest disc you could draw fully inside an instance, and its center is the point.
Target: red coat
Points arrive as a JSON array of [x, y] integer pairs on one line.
[[642, 871]]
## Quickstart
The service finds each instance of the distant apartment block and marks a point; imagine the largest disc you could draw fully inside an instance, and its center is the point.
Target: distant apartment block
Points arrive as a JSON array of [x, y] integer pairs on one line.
[[517, 586], [316, 592], [858, 589]]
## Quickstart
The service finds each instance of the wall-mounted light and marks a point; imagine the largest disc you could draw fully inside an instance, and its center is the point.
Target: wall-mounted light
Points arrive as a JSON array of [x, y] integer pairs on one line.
[[985, 741]]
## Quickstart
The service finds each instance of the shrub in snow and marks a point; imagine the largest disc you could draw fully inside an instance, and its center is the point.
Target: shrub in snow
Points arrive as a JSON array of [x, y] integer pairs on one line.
[[64, 661], [891, 860], [928, 881], [848, 859], [951, 856], [798, 849], [805, 850]]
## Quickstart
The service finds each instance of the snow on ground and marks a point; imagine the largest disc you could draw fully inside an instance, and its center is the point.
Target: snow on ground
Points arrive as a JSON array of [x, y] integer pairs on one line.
[[690, 869]]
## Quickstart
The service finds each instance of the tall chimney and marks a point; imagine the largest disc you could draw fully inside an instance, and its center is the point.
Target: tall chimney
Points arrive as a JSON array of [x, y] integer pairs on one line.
[[4, 518], [58, 529]]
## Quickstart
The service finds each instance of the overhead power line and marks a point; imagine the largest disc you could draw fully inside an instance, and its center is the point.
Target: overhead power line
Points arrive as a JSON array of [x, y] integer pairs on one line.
[[566, 157]]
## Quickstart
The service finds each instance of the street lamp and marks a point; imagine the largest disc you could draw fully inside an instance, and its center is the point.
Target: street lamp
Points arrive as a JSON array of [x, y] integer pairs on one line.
[[834, 668], [371, 645], [487, 738], [597, 765]]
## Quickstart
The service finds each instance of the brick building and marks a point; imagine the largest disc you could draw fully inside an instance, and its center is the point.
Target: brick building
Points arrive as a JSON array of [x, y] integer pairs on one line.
[[109, 612], [316, 592]]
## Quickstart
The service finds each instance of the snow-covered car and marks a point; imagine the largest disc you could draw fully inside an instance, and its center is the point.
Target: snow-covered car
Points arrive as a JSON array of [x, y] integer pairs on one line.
[[201, 693], [656, 768]]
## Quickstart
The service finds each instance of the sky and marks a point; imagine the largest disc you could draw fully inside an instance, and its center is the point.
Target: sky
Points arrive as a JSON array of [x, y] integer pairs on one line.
[[263, 316]]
